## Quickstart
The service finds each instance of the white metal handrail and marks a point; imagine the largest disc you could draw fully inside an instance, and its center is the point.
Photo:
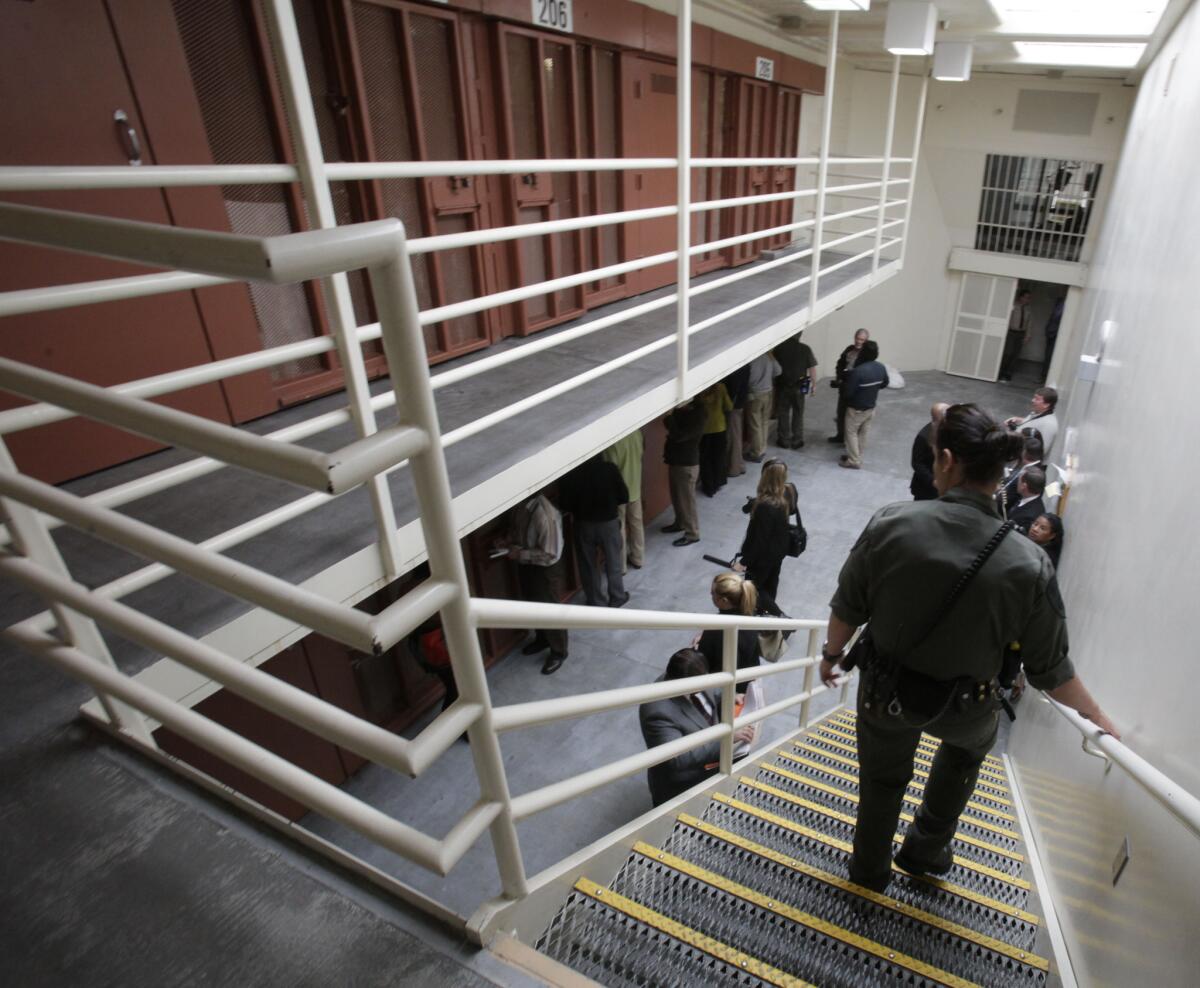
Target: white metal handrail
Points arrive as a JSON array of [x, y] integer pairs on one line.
[[1168, 793], [66, 634]]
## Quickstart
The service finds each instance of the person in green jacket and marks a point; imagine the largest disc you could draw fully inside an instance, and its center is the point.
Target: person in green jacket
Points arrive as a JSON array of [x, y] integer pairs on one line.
[[627, 454]]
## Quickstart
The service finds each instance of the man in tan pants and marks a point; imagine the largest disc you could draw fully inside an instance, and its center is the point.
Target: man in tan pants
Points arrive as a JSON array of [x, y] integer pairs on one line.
[[685, 426], [627, 455]]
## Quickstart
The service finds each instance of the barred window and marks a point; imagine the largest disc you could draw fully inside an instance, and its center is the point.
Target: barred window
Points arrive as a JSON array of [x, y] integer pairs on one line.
[[1038, 207]]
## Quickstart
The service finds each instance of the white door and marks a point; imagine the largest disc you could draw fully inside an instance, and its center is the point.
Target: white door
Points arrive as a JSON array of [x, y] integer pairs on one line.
[[980, 325]]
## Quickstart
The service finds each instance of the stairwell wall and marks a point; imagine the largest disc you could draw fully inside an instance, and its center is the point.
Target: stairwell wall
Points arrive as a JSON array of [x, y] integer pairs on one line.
[[911, 315], [1132, 559]]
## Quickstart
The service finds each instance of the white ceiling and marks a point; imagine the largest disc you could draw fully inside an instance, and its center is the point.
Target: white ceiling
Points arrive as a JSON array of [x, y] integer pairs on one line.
[[861, 34]]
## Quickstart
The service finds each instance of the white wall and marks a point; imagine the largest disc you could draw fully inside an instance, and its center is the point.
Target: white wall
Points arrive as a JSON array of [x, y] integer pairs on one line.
[[964, 122], [1132, 562]]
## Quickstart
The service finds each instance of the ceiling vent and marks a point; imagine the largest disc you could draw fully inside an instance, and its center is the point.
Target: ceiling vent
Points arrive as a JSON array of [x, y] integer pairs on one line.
[[1050, 111]]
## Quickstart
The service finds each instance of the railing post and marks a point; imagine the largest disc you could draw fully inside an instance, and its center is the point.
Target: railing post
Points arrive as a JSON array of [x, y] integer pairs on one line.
[[403, 343], [32, 539], [912, 168], [729, 638], [683, 191], [310, 161], [887, 162], [809, 675], [823, 166]]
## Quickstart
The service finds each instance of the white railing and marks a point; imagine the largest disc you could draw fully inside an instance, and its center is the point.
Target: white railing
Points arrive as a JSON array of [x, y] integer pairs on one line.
[[33, 563], [67, 635], [1180, 803]]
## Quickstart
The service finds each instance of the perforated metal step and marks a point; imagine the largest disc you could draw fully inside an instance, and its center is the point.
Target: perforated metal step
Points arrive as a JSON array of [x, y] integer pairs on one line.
[[754, 890]]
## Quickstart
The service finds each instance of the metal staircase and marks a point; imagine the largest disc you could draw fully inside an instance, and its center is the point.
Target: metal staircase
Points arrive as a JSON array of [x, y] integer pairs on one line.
[[753, 890]]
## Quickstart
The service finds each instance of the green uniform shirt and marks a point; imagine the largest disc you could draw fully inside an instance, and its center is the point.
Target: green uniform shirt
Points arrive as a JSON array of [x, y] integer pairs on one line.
[[907, 561], [627, 453]]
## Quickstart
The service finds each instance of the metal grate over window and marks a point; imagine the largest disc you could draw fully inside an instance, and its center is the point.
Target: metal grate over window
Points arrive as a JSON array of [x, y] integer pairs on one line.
[[1038, 207]]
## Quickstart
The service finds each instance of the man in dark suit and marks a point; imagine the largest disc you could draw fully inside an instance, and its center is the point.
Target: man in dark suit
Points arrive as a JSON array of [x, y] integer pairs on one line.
[[1031, 456], [921, 486], [678, 716], [1030, 505]]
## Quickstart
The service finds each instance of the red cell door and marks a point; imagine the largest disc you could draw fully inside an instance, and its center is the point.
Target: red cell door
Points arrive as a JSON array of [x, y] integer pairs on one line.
[[599, 100], [785, 133], [539, 81], [409, 100], [88, 114], [709, 140], [649, 119], [752, 140]]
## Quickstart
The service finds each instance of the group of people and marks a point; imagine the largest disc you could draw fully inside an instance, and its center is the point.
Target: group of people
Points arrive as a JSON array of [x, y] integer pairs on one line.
[[603, 495], [1020, 496], [944, 589], [710, 437]]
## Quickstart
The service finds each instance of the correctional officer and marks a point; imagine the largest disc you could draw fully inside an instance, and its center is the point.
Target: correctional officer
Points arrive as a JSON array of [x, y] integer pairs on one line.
[[899, 575]]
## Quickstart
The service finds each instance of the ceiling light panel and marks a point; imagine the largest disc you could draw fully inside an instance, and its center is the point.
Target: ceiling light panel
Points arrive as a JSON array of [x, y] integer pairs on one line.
[[952, 61], [852, 5], [1124, 56], [910, 27], [1067, 17]]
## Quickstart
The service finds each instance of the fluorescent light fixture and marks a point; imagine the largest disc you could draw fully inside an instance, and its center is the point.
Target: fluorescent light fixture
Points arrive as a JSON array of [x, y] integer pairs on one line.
[[910, 27], [856, 5], [1065, 53], [952, 61], [1067, 17]]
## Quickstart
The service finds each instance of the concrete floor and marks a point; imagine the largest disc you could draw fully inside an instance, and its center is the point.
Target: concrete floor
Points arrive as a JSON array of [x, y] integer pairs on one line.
[[116, 872], [835, 504]]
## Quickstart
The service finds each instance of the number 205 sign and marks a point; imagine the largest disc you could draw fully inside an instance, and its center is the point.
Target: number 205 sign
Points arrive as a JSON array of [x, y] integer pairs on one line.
[[555, 14]]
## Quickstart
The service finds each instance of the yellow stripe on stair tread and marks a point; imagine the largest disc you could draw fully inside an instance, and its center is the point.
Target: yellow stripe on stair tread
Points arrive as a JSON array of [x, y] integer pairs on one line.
[[853, 821], [831, 739], [930, 919], [948, 887], [926, 747], [830, 930], [849, 725], [962, 862], [853, 763], [853, 780], [852, 797], [664, 924]]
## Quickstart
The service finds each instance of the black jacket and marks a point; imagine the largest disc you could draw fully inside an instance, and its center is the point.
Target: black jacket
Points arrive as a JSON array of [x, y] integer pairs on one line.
[[593, 491], [685, 426], [669, 720], [861, 388], [1026, 515]]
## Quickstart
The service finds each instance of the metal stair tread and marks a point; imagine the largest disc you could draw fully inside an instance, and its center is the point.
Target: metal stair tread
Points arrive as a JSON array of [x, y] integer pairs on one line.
[[943, 885], [973, 804], [880, 899], [820, 736], [828, 931], [993, 831], [760, 790], [733, 961]]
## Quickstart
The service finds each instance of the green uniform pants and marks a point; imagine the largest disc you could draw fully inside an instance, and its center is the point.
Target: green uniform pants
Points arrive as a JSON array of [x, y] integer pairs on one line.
[[885, 758]]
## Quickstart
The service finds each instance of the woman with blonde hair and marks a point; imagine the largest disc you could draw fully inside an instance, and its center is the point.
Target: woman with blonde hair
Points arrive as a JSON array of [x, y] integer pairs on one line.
[[732, 593], [768, 533]]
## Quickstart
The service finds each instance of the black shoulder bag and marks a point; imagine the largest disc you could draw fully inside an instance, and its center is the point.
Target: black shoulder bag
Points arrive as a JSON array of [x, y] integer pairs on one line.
[[888, 686]]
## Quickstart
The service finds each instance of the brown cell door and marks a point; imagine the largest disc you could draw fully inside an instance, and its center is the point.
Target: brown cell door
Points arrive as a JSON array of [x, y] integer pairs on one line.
[[751, 122], [649, 115], [69, 116], [785, 132], [538, 83], [708, 141], [410, 105], [599, 98]]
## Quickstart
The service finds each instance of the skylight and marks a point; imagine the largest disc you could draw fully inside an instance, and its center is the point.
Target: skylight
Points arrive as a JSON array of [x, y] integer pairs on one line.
[[1092, 17], [1115, 56]]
